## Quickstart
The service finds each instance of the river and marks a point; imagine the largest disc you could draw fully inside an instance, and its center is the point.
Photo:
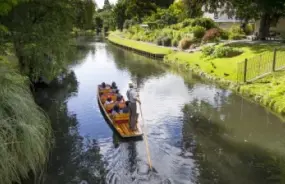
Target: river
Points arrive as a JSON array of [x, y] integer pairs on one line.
[[197, 132]]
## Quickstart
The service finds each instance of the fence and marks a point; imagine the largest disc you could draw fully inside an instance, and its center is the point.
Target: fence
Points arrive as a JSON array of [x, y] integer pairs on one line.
[[260, 66]]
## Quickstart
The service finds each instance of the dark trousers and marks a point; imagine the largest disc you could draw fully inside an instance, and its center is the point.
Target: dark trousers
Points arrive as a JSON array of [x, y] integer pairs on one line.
[[133, 115]]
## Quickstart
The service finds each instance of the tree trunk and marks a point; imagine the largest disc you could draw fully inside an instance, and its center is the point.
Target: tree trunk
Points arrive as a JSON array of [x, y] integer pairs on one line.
[[264, 26]]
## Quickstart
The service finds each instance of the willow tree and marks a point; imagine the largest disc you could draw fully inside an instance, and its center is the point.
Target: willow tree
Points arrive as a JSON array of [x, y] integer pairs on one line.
[[39, 31]]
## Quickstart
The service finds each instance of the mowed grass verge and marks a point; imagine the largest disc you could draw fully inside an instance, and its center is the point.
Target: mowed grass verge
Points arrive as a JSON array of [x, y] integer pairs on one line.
[[146, 47]]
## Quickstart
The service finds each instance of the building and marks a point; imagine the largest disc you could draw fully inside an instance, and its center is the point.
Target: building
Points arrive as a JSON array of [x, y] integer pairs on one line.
[[223, 20]]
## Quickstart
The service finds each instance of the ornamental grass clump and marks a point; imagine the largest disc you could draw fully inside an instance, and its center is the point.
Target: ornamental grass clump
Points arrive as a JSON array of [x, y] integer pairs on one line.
[[25, 130]]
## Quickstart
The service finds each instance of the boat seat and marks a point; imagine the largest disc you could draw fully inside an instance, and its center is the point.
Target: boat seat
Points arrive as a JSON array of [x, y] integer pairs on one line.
[[121, 118], [109, 107], [105, 90], [122, 105], [104, 97]]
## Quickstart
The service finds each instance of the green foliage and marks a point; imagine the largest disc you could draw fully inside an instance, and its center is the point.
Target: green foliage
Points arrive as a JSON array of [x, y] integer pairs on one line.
[[174, 42], [198, 31], [119, 14], [159, 40], [207, 23], [221, 51], [178, 9], [166, 41], [163, 3], [107, 6], [226, 51], [129, 23], [40, 52], [137, 9], [7, 5], [224, 35], [208, 50], [249, 28], [187, 22], [84, 14], [236, 36], [193, 8], [236, 29], [25, 130], [162, 16]]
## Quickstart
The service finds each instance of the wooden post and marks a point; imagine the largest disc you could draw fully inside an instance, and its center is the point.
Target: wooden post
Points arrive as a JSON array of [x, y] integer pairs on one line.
[[245, 70], [274, 60]]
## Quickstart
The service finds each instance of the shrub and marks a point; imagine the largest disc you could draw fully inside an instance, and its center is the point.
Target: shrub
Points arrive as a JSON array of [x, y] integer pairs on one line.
[[236, 36], [166, 41], [207, 23], [159, 40], [236, 29], [186, 22], [175, 42], [152, 25], [226, 51], [249, 28], [208, 50], [129, 23], [211, 35], [185, 43], [198, 31], [224, 34]]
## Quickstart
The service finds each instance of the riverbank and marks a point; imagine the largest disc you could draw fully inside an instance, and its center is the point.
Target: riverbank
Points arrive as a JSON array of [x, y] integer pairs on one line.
[[266, 92]]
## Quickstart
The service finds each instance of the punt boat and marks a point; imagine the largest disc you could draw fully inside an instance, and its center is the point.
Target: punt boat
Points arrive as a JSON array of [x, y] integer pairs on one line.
[[119, 122]]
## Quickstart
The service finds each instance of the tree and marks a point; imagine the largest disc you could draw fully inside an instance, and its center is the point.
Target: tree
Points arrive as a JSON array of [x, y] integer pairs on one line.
[[39, 31], [138, 9], [107, 5], [193, 8], [85, 11], [120, 14], [163, 3], [98, 23]]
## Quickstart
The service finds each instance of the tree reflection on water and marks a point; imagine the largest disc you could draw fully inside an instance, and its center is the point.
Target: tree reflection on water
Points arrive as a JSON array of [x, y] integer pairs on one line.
[[219, 157], [73, 159]]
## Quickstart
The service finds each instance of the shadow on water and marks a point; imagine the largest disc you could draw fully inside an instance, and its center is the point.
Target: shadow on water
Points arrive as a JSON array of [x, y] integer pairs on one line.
[[73, 159], [221, 158]]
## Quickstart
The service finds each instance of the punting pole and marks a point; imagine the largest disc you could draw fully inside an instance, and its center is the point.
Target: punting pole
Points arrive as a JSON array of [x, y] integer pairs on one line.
[[146, 142]]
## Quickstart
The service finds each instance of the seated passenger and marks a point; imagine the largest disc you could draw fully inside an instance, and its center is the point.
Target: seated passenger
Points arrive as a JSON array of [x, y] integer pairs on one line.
[[109, 101], [126, 109], [103, 85], [119, 96], [116, 110], [114, 87]]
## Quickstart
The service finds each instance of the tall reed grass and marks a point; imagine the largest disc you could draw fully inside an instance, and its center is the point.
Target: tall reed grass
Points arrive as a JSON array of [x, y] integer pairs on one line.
[[25, 130]]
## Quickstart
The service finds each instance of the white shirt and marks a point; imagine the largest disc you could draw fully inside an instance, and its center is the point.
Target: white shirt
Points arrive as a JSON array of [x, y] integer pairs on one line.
[[132, 95], [107, 103]]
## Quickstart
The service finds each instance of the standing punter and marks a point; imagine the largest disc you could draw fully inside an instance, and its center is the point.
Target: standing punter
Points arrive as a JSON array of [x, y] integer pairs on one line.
[[133, 98]]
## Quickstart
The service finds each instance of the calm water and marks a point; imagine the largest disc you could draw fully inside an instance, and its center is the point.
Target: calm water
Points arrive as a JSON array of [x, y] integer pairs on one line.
[[197, 132]]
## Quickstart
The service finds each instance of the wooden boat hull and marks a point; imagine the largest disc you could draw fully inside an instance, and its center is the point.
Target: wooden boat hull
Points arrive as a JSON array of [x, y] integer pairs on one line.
[[121, 128]]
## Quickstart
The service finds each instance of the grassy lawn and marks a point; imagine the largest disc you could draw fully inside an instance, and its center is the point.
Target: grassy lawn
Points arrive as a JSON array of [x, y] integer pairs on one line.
[[153, 49], [269, 91], [222, 67]]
